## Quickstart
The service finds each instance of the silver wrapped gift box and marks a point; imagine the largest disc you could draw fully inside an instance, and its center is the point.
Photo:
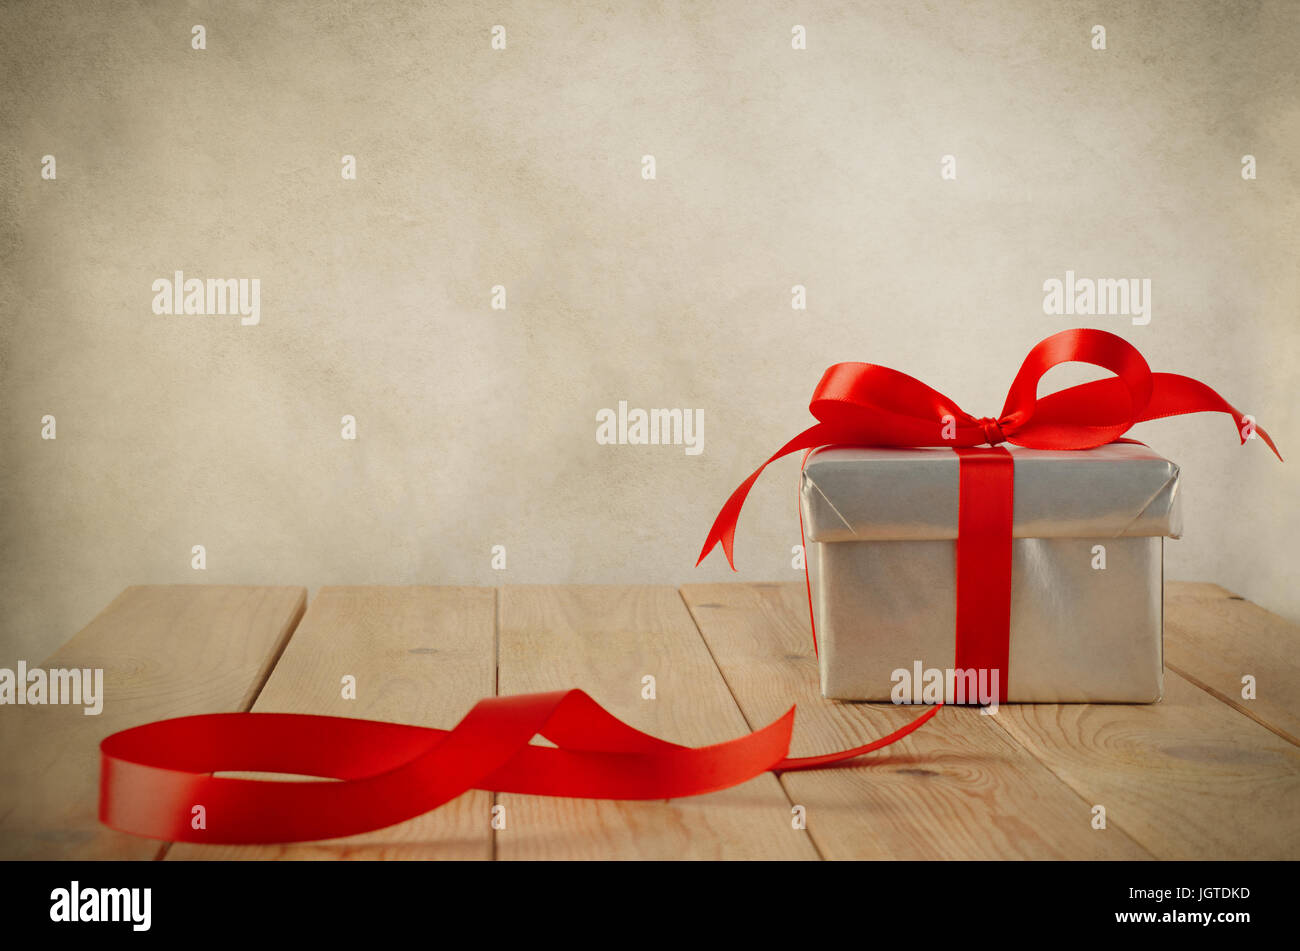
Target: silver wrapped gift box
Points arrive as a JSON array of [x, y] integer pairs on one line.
[[882, 524]]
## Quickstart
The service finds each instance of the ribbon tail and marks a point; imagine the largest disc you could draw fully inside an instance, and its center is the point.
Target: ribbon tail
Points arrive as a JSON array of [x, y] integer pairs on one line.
[[724, 526], [1176, 395], [803, 547], [791, 764]]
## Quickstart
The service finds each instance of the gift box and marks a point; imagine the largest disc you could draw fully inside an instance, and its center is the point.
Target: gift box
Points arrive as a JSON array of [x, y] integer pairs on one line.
[[981, 559], [1086, 573]]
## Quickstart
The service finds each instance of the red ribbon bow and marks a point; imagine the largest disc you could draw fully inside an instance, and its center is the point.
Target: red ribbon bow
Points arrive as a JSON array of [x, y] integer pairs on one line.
[[868, 405]]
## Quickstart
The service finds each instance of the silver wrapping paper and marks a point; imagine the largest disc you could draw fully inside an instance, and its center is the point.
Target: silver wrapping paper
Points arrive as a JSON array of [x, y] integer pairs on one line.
[[882, 524]]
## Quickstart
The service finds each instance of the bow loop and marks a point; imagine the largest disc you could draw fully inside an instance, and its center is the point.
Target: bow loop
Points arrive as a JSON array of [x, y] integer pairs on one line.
[[875, 405], [1077, 417]]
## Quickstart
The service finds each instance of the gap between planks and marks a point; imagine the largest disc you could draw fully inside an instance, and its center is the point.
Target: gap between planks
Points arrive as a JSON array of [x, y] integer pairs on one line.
[[749, 725], [1230, 702], [422, 655], [1214, 637], [605, 639], [256, 692]]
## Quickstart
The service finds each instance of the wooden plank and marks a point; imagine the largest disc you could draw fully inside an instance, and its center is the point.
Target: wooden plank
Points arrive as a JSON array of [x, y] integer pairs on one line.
[[957, 788], [421, 655], [604, 640], [1214, 638], [1188, 778], [166, 651]]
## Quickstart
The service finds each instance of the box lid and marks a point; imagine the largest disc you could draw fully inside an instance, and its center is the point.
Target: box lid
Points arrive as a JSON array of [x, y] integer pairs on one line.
[[866, 494]]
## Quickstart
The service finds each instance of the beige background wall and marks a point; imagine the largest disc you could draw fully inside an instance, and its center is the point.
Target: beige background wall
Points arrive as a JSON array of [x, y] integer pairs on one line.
[[522, 168]]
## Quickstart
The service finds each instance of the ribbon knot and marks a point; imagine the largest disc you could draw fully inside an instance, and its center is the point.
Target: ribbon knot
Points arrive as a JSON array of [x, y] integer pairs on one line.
[[992, 431]]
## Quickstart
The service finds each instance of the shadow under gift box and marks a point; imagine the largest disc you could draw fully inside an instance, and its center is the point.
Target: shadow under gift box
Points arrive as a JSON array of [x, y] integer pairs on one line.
[[883, 564]]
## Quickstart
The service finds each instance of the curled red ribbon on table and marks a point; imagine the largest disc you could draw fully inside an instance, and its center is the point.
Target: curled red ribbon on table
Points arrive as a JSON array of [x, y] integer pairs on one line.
[[863, 404], [152, 776]]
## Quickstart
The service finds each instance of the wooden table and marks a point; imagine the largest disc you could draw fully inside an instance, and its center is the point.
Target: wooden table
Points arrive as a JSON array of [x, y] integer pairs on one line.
[[1204, 774]]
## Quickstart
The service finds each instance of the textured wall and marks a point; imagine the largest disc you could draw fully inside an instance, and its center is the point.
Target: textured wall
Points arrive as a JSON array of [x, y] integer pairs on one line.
[[522, 167]]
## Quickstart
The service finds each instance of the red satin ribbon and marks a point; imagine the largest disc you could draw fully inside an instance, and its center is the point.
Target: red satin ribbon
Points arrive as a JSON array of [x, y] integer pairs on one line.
[[986, 485], [153, 776]]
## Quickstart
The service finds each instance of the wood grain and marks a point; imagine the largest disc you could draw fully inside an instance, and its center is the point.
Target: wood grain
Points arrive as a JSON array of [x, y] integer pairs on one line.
[[166, 650], [605, 640], [1188, 778], [957, 788], [1214, 638], [421, 655]]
